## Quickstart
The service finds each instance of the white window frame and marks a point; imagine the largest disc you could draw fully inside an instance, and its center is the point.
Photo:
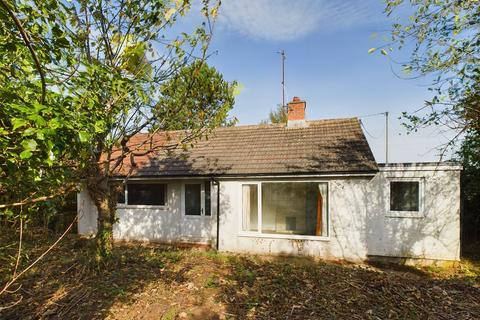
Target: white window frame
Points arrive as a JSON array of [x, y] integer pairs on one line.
[[202, 200], [259, 234], [145, 206], [421, 198]]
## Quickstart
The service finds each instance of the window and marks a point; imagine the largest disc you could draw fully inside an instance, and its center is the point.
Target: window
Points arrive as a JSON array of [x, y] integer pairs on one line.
[[404, 196], [197, 199], [121, 196], [208, 199], [250, 207], [292, 208], [193, 204], [152, 194]]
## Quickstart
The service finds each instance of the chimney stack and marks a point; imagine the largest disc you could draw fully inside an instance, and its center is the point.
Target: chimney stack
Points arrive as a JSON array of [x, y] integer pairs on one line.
[[296, 113]]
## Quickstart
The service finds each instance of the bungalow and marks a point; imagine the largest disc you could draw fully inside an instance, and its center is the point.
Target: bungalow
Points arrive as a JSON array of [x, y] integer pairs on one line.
[[301, 188]]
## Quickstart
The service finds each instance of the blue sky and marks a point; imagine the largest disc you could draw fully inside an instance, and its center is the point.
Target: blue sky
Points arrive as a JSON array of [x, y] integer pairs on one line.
[[327, 65]]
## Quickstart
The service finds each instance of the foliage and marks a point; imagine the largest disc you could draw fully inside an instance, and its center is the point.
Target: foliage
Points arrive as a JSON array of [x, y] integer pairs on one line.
[[39, 123], [444, 40], [198, 94], [80, 78], [278, 115], [445, 35]]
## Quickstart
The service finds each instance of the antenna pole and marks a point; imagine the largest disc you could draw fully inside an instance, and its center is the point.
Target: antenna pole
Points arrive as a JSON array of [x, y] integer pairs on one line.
[[386, 137], [282, 54]]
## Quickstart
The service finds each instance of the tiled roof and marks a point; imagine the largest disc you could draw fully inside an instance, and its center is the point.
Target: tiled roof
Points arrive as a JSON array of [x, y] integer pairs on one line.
[[323, 146]]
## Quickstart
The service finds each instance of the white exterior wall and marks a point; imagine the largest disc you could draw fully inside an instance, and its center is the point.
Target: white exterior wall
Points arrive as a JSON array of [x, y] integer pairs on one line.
[[360, 223], [154, 223], [434, 232], [347, 212]]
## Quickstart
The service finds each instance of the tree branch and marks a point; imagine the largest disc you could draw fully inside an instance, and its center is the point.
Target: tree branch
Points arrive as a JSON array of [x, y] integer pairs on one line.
[[39, 199], [28, 43]]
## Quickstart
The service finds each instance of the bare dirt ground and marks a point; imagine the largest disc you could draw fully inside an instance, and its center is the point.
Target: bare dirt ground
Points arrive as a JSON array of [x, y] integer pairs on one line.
[[155, 282]]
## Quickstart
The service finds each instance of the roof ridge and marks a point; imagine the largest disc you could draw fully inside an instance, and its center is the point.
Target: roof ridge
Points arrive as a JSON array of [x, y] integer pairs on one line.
[[261, 125]]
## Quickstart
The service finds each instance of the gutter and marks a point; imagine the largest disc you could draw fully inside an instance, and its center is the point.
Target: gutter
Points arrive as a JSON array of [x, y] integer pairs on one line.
[[253, 176]]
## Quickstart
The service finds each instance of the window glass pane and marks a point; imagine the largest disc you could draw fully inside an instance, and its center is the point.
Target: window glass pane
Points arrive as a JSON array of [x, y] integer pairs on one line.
[[193, 203], [146, 194], [250, 207], [208, 210], [295, 208], [404, 196], [121, 196]]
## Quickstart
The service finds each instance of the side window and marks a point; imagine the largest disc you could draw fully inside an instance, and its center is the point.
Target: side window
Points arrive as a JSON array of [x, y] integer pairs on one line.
[[121, 196], [208, 199], [197, 199], [405, 196], [151, 194], [250, 207], [193, 199]]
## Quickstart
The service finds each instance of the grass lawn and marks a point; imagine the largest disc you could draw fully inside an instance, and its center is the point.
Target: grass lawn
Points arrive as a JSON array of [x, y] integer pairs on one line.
[[153, 282]]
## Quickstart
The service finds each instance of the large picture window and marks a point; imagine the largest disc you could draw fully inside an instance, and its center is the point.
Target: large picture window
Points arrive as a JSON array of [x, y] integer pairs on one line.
[[292, 208]]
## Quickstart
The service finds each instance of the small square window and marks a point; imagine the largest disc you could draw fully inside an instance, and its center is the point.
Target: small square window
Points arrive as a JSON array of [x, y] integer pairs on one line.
[[404, 196]]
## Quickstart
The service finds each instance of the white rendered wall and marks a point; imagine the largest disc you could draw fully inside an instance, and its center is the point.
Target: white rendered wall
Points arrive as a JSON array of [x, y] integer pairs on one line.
[[347, 210], [434, 233], [153, 223], [360, 221]]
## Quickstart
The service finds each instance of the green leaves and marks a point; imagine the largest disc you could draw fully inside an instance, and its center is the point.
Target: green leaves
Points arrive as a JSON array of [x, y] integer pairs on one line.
[[29, 145], [109, 70], [18, 123], [382, 51], [25, 154], [83, 136], [443, 37]]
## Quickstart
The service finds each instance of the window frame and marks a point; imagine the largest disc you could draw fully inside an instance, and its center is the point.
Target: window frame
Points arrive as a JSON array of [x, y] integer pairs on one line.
[[202, 200], [421, 198], [259, 234], [145, 206]]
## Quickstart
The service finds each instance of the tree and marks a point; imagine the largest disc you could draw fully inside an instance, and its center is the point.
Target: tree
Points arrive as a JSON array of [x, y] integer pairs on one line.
[[445, 40], [110, 70], [278, 115], [191, 93], [39, 123], [444, 36]]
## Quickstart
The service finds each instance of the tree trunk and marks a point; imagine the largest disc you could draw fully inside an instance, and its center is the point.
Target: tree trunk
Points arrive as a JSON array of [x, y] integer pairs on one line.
[[105, 199]]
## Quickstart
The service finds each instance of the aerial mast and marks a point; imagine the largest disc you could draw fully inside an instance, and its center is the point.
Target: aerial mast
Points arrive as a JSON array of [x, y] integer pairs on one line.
[[283, 57]]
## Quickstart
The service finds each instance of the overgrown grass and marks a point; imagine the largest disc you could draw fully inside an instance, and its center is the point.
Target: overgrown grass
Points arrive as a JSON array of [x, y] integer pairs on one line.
[[166, 282]]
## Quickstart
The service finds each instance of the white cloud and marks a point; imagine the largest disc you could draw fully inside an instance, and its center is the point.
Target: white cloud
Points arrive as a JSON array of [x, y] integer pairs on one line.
[[285, 20]]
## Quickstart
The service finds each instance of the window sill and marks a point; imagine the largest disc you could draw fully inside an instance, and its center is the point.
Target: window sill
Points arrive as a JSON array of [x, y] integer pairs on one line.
[[143, 206], [405, 214], [195, 216], [283, 236]]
